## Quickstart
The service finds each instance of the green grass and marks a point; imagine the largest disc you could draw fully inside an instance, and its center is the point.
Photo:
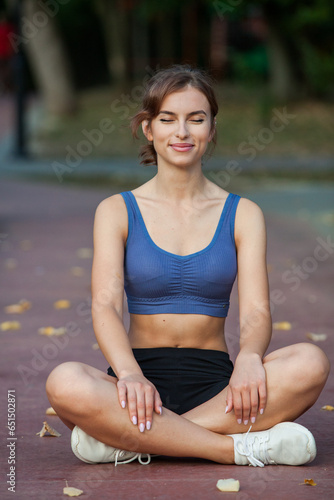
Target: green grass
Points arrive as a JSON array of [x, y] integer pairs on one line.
[[243, 114]]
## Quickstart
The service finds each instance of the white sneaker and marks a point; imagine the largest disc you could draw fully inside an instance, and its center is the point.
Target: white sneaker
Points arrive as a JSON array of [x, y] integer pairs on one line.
[[286, 443], [92, 451]]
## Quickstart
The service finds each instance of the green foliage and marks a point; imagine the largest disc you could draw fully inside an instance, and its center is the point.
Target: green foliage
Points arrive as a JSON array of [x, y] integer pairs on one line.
[[250, 67]]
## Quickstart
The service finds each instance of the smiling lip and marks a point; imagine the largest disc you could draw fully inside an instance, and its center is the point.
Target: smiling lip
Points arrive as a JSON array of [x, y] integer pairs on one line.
[[183, 146]]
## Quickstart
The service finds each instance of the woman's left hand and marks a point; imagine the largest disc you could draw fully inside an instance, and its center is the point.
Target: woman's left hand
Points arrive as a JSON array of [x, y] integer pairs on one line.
[[247, 392]]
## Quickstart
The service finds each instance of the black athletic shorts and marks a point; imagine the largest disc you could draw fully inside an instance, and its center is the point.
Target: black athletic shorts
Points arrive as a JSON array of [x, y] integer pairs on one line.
[[184, 377]]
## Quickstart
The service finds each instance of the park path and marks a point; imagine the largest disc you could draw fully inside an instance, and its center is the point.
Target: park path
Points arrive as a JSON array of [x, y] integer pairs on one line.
[[43, 227]]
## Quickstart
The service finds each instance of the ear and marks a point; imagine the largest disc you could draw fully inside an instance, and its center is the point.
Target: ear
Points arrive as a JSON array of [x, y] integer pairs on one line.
[[147, 130]]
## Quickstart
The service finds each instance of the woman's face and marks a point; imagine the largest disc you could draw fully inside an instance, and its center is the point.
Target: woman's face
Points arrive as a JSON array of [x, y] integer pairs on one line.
[[182, 129]]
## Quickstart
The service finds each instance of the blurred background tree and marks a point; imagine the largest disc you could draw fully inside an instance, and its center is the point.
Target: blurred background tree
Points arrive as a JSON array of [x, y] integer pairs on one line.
[[277, 51]]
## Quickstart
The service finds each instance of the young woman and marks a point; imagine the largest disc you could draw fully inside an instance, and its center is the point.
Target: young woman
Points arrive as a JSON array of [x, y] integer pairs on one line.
[[176, 245]]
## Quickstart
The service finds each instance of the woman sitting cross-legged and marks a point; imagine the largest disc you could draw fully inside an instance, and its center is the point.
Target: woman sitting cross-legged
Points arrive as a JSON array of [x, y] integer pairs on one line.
[[176, 245]]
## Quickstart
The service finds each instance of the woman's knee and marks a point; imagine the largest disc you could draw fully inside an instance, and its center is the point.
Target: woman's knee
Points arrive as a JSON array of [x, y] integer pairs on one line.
[[62, 383], [313, 364]]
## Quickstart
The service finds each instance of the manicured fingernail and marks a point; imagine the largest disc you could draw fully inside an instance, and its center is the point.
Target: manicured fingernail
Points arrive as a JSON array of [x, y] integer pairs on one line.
[[239, 420], [245, 422], [141, 427], [148, 425], [226, 409], [253, 420], [160, 410], [134, 420], [123, 404], [261, 411]]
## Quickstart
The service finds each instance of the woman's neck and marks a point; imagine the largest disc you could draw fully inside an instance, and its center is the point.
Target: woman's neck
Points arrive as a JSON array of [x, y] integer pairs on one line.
[[179, 183]]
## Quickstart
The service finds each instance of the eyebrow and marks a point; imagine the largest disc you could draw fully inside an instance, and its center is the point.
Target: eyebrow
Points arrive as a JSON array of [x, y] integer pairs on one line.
[[199, 112]]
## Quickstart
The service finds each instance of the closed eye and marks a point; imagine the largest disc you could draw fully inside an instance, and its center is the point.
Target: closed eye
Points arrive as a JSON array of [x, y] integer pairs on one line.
[[165, 120]]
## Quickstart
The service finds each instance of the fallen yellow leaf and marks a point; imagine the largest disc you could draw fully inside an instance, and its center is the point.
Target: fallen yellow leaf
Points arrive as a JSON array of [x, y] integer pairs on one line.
[[47, 429], [50, 330], [62, 304], [316, 337], [25, 245], [328, 408], [10, 325], [310, 482], [77, 271], [50, 411], [85, 253], [228, 485], [71, 492], [282, 325], [10, 263], [19, 308]]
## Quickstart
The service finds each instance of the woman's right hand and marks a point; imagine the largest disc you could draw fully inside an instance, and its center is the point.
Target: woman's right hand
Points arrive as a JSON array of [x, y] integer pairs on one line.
[[141, 397]]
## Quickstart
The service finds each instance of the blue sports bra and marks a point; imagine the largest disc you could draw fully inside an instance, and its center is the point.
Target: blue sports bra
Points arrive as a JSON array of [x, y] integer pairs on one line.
[[157, 281]]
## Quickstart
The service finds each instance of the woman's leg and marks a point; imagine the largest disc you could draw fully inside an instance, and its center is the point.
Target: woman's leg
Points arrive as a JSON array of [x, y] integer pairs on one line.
[[295, 377], [86, 397]]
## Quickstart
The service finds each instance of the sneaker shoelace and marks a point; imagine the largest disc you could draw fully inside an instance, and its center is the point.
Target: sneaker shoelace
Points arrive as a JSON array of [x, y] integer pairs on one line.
[[254, 448], [121, 453]]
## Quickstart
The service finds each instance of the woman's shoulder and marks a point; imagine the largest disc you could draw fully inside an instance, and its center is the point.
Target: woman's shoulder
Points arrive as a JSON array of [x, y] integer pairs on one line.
[[247, 206], [112, 213], [249, 219], [114, 203]]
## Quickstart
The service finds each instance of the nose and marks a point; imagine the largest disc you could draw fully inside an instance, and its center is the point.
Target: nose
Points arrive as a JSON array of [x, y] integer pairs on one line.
[[182, 130]]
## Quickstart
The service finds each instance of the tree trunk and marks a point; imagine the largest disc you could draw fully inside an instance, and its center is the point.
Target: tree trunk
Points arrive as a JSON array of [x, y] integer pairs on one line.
[[218, 47], [164, 39], [140, 45], [283, 81], [189, 15], [114, 20], [48, 59]]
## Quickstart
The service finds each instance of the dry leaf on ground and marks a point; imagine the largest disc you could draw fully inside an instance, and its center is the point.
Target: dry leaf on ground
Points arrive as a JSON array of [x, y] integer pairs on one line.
[[77, 271], [19, 308], [71, 492], [85, 253], [50, 330], [282, 325], [310, 482], [316, 337], [26, 245], [328, 408], [10, 325], [62, 304], [10, 263], [228, 485], [50, 411], [47, 429]]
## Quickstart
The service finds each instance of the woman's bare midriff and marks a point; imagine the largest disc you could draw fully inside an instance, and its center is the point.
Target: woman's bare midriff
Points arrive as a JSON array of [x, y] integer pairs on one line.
[[177, 330]]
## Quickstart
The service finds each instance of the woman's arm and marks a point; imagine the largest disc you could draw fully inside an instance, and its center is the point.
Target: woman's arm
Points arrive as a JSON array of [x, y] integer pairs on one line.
[[247, 389], [110, 233]]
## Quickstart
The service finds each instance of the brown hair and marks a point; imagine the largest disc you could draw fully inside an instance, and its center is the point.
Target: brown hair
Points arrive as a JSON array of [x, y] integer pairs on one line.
[[163, 83]]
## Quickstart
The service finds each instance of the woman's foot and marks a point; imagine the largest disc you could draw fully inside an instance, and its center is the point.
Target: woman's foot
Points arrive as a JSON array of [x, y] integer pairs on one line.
[[286, 443], [92, 451]]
